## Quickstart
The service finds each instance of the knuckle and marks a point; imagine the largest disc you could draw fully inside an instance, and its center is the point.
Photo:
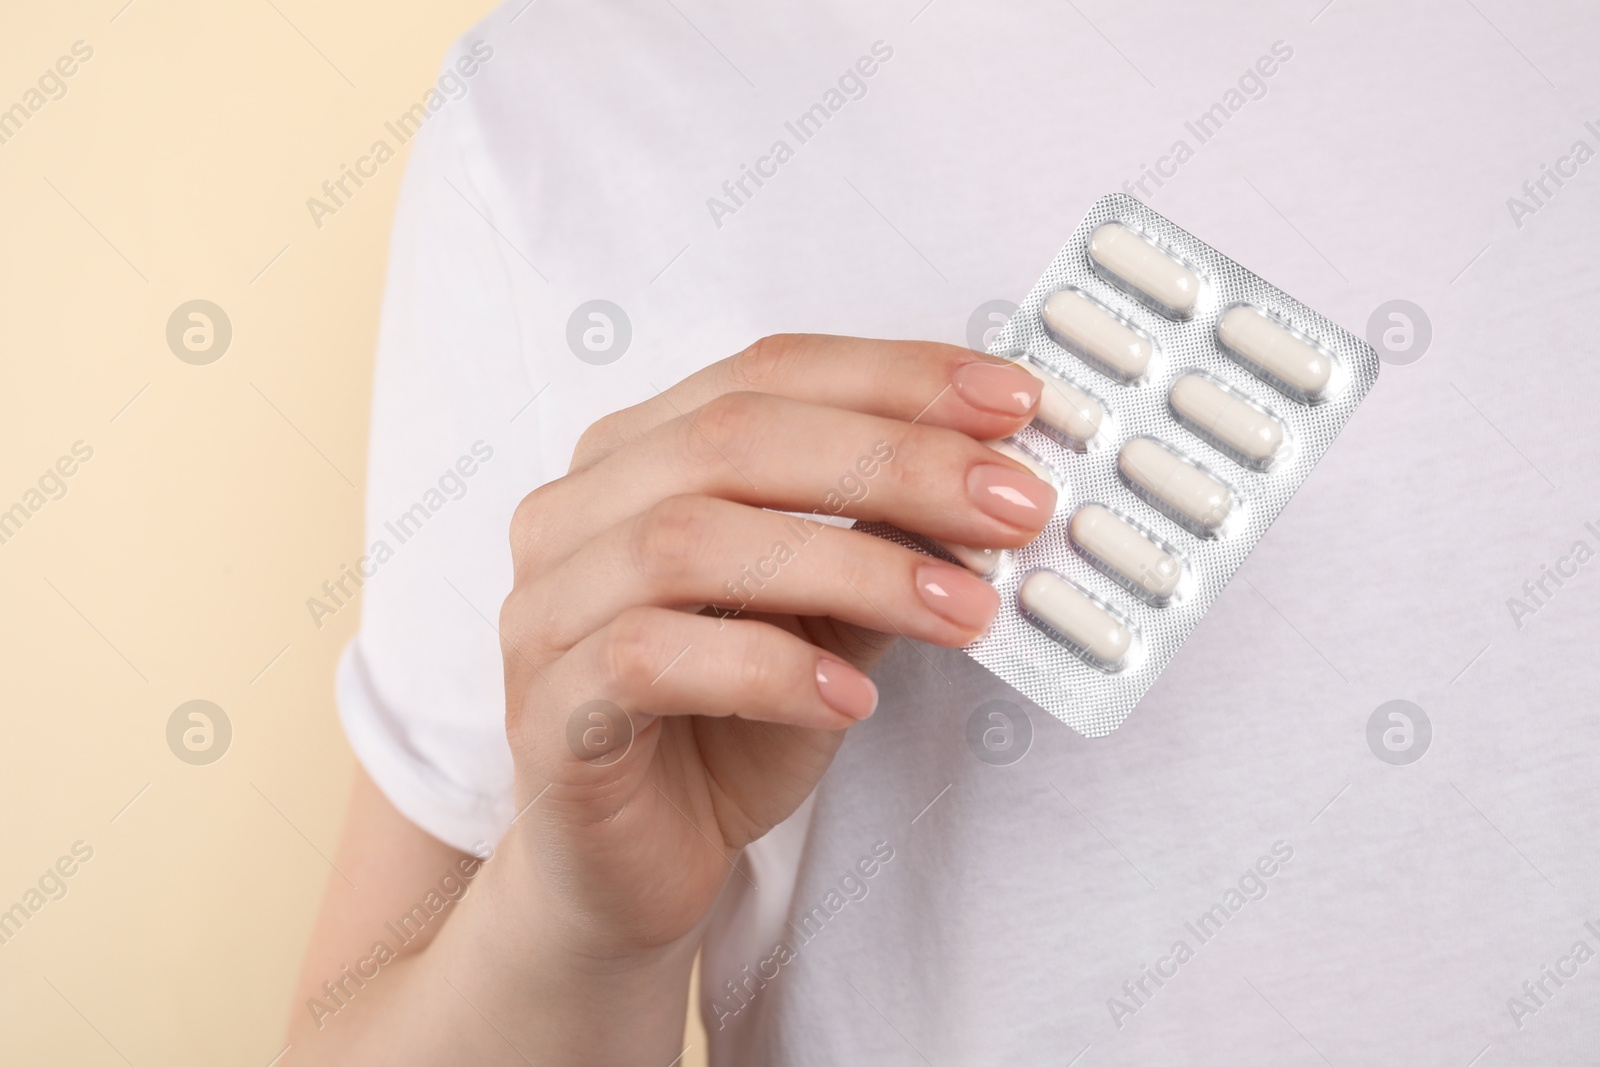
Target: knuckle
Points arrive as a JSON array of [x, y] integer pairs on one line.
[[530, 521], [759, 672], [922, 464], [631, 655], [510, 618], [527, 628], [599, 439], [670, 538], [760, 364], [728, 414], [931, 464], [726, 428]]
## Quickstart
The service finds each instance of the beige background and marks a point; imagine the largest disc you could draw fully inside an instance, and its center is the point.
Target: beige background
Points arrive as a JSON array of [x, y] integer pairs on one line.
[[178, 563]]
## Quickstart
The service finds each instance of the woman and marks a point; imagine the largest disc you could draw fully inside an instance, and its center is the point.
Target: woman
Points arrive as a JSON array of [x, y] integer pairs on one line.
[[664, 720]]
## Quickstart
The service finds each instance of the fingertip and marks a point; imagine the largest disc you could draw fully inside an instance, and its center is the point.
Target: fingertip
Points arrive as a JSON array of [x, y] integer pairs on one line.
[[998, 388], [1015, 497], [961, 599], [846, 689]]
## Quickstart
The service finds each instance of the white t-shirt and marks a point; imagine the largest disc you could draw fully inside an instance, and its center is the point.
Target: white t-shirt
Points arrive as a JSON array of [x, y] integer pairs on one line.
[[1235, 876]]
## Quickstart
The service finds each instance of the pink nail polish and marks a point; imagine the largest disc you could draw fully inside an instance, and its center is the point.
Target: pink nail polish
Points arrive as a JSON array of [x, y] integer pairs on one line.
[[995, 387], [845, 689], [1011, 496], [956, 596]]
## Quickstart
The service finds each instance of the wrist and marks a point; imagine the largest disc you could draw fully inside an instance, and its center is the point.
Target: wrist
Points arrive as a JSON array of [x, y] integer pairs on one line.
[[532, 960], [537, 927]]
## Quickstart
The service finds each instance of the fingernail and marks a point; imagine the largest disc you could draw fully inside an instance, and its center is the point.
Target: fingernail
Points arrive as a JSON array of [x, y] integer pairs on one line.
[[845, 689], [997, 387], [1011, 496], [956, 596]]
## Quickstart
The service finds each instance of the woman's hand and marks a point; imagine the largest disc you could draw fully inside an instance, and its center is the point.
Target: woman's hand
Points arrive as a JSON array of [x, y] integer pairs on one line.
[[681, 663], [680, 666]]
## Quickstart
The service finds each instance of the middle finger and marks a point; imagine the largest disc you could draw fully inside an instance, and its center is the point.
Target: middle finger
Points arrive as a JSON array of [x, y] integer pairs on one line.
[[775, 452]]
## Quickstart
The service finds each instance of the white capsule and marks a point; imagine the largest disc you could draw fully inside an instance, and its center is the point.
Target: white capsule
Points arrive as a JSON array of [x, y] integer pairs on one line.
[[1227, 420], [1041, 470], [984, 562], [1072, 614], [1153, 275], [1066, 412], [1083, 327], [1113, 542], [1271, 352], [1191, 494]]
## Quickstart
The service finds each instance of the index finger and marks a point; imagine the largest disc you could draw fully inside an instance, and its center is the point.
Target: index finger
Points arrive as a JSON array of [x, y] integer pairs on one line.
[[912, 381]]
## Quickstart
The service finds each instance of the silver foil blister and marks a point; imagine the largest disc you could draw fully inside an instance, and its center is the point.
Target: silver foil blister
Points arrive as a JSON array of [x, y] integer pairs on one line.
[[1090, 699]]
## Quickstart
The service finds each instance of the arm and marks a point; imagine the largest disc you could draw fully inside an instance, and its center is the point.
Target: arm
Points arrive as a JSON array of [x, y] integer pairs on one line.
[[652, 743], [396, 865]]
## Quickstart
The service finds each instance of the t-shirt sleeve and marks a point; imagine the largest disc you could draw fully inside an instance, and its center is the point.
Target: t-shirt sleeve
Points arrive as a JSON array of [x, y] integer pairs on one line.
[[454, 446]]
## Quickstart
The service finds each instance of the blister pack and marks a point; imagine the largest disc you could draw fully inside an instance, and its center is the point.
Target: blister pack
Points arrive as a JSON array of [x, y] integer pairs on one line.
[[1185, 400]]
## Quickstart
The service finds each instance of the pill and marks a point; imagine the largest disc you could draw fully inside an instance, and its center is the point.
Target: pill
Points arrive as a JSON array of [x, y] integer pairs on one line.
[[1065, 411], [984, 562], [1077, 618], [1225, 418], [1114, 542], [1083, 327], [1191, 494], [1040, 469], [1270, 351], [1151, 274]]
